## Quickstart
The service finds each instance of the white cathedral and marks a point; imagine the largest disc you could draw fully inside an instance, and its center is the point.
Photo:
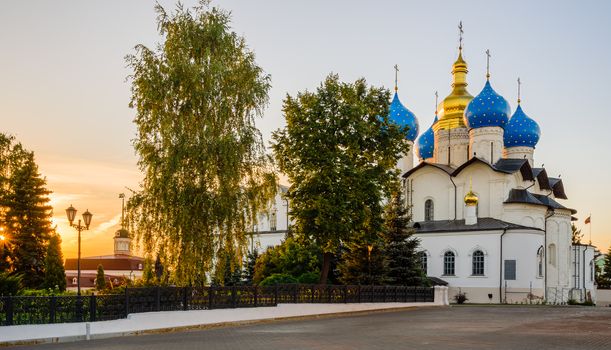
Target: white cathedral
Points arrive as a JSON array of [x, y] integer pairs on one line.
[[489, 220]]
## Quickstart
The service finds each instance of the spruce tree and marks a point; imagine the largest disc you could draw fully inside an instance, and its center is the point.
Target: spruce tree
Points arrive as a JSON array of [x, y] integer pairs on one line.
[[606, 275], [248, 274], [100, 279], [55, 275], [362, 262], [28, 218], [400, 246]]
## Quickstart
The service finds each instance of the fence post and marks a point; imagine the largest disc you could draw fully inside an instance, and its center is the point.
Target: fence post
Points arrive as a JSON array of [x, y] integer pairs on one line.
[[234, 297], [358, 291], [255, 295], [276, 294], [126, 302], [52, 306], [9, 310], [345, 294], [79, 308], [295, 289], [92, 308], [157, 298], [185, 300], [384, 294], [210, 297], [312, 291]]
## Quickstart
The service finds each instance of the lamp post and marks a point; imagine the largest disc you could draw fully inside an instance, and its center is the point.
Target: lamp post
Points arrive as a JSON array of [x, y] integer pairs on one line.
[[71, 213], [369, 249]]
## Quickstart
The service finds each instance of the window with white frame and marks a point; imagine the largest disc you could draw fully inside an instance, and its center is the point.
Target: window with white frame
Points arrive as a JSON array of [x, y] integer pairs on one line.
[[273, 221], [429, 210], [423, 262], [449, 263], [477, 263], [540, 260]]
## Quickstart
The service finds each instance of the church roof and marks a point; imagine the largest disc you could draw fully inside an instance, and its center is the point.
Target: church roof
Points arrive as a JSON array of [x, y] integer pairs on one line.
[[483, 224], [557, 187], [513, 165], [447, 169], [523, 196], [542, 178]]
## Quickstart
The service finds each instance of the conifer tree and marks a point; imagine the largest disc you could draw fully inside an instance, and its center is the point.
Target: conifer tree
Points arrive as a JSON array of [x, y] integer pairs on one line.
[[248, 274], [362, 262], [400, 246], [55, 275], [100, 278], [28, 218], [606, 274]]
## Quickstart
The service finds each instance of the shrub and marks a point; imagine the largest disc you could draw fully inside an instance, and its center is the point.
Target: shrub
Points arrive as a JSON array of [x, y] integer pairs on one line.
[[309, 278], [460, 298], [278, 278], [9, 284], [291, 257]]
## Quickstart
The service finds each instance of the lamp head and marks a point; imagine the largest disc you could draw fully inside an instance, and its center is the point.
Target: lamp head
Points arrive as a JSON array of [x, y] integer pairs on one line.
[[71, 213], [87, 218]]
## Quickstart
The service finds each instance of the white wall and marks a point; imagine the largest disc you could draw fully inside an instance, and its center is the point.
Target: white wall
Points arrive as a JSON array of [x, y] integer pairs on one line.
[[463, 244]]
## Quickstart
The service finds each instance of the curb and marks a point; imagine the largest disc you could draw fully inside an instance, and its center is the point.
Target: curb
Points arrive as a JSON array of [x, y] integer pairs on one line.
[[75, 338]]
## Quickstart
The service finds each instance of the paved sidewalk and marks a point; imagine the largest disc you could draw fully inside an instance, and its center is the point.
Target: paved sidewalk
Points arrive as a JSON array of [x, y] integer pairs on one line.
[[157, 321]]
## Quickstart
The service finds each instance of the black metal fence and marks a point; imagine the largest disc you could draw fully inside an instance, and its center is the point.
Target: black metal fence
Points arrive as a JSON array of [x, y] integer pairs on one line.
[[20, 310]]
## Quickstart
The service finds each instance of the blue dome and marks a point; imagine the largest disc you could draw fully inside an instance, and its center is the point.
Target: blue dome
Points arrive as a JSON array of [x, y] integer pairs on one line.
[[521, 131], [426, 143], [487, 109], [403, 117]]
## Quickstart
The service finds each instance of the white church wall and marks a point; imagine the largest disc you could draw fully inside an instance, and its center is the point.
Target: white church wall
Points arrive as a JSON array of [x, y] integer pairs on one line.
[[559, 246], [488, 186], [432, 183], [583, 273], [463, 244], [524, 214]]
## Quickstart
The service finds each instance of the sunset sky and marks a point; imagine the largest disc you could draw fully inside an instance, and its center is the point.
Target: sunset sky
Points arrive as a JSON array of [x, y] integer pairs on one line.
[[64, 94]]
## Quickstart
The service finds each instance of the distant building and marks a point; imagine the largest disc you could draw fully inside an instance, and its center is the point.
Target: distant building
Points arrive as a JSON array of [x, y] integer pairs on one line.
[[273, 223], [118, 267]]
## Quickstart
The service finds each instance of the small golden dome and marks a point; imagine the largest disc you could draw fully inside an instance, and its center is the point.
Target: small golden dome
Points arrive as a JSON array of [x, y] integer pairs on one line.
[[471, 199]]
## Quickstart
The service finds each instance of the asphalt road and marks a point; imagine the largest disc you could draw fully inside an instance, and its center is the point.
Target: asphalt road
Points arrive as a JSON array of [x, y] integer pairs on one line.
[[460, 327]]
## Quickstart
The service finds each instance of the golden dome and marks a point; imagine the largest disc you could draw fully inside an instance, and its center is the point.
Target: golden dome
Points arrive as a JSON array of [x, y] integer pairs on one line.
[[471, 199], [452, 108]]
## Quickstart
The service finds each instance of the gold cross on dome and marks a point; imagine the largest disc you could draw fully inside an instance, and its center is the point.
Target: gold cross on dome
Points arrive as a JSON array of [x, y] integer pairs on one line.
[[396, 67]]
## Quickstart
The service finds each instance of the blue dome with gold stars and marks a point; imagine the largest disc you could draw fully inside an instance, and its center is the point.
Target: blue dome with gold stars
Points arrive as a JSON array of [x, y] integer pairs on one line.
[[487, 109], [521, 131], [403, 117], [426, 143]]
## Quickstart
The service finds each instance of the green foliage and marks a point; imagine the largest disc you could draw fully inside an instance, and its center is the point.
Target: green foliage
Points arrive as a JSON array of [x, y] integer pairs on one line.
[[291, 257], [25, 214], [10, 284], [603, 279], [148, 272], [359, 266], [576, 235], [339, 151], [206, 171], [100, 279], [400, 246], [309, 277], [278, 278], [248, 274], [55, 275], [228, 271]]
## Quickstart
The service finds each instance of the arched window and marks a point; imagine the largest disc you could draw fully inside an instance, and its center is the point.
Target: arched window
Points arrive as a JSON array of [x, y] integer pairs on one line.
[[423, 262], [540, 260], [478, 263], [552, 254], [429, 210], [273, 221], [449, 260], [74, 280]]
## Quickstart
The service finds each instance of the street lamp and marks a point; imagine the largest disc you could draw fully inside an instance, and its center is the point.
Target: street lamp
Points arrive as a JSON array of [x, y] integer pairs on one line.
[[369, 249], [71, 213]]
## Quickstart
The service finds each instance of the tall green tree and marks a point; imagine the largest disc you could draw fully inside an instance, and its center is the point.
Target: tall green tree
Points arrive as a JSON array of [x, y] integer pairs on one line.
[[100, 278], [55, 275], [339, 151], [400, 246], [28, 218], [606, 274], [206, 171], [248, 274]]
